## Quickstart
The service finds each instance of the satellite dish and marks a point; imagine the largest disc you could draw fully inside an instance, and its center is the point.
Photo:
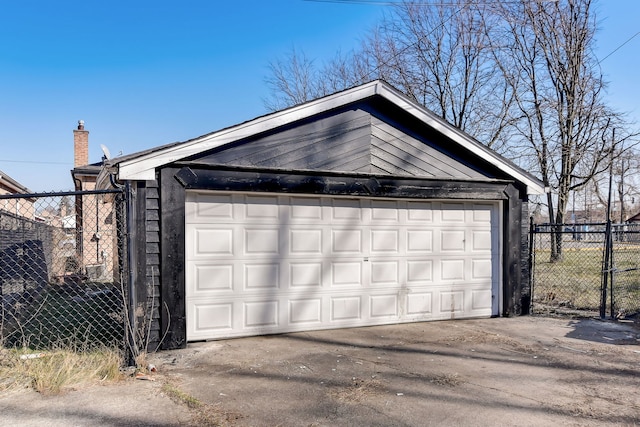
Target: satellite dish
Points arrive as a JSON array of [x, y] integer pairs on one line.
[[105, 152]]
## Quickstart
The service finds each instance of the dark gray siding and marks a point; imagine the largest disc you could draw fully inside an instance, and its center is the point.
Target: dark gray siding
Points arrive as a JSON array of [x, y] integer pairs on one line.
[[152, 258], [525, 298], [145, 262], [348, 141], [337, 143], [397, 153]]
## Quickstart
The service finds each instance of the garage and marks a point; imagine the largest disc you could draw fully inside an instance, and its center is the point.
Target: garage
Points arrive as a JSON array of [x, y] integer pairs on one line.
[[259, 264], [360, 208]]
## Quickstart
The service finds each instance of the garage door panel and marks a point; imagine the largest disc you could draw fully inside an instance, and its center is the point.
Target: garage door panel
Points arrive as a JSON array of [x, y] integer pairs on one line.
[[205, 207], [259, 264], [384, 211], [385, 241], [383, 306], [452, 240], [385, 273], [261, 314], [346, 273], [452, 212], [211, 241], [420, 212], [451, 301], [346, 308], [419, 241], [305, 312], [305, 275], [262, 208], [261, 241], [419, 271], [305, 209], [482, 240], [481, 299], [346, 210], [261, 276], [212, 277], [346, 240], [419, 304], [452, 269], [481, 269], [305, 241], [482, 213], [211, 317]]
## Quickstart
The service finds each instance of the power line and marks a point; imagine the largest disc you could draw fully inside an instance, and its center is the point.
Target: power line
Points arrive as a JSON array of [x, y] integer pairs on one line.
[[619, 47], [370, 2], [445, 4], [35, 162], [423, 3]]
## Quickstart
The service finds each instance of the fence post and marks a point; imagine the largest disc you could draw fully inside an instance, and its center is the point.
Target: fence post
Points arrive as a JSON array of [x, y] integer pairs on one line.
[[612, 276], [131, 300], [606, 269], [531, 265]]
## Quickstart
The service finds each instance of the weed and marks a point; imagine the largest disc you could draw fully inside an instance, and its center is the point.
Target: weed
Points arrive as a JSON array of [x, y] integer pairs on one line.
[[180, 396], [57, 370], [204, 415]]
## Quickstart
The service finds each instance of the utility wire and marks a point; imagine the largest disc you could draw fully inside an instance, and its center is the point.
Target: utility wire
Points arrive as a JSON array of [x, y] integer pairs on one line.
[[397, 3], [391, 3], [370, 2], [34, 162], [619, 47]]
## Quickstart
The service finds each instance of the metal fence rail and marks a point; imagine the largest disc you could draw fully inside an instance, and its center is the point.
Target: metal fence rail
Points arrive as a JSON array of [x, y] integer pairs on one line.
[[62, 257], [568, 268]]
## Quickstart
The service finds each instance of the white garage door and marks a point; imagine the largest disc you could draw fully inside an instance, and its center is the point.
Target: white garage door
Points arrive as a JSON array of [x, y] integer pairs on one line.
[[259, 264]]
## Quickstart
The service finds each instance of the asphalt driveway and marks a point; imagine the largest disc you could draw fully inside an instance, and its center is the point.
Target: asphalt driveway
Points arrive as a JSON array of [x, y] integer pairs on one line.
[[506, 371]]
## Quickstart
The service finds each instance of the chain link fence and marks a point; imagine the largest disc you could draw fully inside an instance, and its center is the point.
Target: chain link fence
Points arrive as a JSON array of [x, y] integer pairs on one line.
[[62, 258], [624, 279], [571, 272]]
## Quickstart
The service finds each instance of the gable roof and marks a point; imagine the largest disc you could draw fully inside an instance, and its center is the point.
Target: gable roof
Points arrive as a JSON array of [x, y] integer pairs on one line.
[[142, 166], [10, 185]]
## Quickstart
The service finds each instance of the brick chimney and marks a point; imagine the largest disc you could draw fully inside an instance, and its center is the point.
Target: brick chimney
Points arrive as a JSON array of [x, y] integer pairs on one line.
[[80, 145]]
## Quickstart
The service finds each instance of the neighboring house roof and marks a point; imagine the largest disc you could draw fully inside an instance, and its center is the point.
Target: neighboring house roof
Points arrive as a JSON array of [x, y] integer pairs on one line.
[[87, 170], [142, 165], [87, 173], [11, 186]]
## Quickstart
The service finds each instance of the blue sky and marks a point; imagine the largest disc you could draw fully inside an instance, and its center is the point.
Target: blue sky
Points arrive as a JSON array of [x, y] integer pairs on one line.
[[147, 73]]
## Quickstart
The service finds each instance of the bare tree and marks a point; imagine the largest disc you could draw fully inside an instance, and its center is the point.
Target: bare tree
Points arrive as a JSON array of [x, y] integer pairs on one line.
[[520, 76], [628, 187], [437, 54], [558, 90], [440, 55], [624, 174], [294, 80]]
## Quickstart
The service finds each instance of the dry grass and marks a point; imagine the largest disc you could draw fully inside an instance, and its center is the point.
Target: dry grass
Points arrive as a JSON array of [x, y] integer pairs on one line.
[[180, 396], [57, 370], [358, 391], [203, 414]]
